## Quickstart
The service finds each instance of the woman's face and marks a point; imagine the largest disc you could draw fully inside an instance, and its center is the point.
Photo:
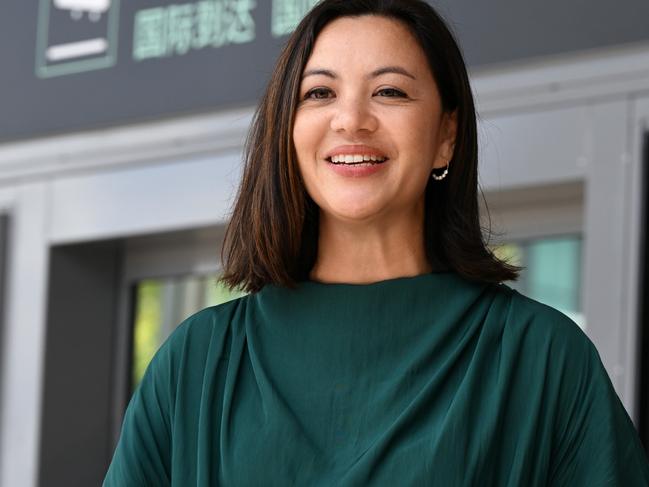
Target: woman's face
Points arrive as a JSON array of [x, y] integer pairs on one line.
[[368, 83]]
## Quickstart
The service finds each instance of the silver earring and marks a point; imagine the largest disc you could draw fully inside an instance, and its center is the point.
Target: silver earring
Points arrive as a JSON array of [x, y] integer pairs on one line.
[[441, 176]]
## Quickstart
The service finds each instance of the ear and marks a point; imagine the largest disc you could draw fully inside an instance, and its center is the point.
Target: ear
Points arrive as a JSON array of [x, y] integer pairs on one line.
[[448, 132]]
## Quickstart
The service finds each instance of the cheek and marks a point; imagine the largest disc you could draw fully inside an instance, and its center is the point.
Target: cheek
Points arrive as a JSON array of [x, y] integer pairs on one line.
[[309, 131], [306, 133], [421, 138], [305, 141]]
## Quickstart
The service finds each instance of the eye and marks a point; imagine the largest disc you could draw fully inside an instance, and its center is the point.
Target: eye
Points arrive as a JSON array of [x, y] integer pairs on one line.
[[395, 93], [317, 92]]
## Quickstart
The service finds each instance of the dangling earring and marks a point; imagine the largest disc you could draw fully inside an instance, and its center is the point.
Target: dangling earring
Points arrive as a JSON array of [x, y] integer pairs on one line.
[[441, 176]]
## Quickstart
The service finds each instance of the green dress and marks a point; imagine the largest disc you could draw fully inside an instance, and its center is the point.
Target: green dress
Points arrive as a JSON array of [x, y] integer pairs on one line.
[[429, 380]]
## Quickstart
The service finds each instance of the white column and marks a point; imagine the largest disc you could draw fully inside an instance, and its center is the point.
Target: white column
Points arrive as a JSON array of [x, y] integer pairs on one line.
[[23, 344]]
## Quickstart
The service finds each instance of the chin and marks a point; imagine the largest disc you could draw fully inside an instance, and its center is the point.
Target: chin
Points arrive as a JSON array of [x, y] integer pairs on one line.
[[357, 213]]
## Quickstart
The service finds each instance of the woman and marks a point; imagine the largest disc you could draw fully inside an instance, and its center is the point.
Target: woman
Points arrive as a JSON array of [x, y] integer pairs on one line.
[[378, 345]]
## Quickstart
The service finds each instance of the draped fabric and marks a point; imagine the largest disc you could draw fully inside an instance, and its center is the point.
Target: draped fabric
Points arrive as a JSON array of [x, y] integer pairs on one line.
[[429, 380]]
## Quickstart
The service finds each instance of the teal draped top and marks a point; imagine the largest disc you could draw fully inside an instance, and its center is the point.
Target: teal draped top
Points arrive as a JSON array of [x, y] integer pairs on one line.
[[429, 380]]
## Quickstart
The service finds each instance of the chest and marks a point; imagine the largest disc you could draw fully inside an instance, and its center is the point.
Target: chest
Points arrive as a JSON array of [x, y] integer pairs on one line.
[[263, 435]]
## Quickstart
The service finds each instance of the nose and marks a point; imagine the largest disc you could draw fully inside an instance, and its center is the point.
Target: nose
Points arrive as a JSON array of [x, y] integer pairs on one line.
[[353, 115]]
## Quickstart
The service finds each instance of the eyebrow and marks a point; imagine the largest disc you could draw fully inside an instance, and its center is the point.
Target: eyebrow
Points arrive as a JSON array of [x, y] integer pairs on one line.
[[373, 74]]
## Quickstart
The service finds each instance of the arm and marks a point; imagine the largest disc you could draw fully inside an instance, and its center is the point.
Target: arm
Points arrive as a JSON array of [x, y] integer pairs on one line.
[[595, 442], [143, 454]]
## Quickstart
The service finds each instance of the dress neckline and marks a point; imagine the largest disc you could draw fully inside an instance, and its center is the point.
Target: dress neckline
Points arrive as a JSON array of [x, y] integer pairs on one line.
[[382, 283]]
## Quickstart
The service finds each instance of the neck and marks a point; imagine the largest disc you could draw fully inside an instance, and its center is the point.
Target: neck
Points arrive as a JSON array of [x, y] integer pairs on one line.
[[359, 253]]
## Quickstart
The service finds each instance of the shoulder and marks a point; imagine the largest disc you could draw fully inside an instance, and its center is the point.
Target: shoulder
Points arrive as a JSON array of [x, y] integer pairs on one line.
[[206, 332], [554, 357], [544, 329], [206, 322]]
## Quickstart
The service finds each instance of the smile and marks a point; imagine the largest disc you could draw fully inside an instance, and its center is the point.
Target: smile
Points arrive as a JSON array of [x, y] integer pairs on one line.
[[356, 159]]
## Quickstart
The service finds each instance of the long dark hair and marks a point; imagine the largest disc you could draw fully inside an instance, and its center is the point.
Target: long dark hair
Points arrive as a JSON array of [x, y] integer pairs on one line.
[[272, 236]]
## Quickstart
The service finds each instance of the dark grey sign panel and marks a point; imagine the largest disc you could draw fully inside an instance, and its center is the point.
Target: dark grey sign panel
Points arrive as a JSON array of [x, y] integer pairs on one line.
[[505, 31], [69, 65], [80, 64]]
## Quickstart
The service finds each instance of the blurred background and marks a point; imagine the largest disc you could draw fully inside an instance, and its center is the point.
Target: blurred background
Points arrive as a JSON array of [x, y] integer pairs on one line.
[[120, 151]]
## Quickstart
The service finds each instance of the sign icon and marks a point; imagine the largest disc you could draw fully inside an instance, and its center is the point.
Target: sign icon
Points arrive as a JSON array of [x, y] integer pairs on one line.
[[69, 41], [77, 8]]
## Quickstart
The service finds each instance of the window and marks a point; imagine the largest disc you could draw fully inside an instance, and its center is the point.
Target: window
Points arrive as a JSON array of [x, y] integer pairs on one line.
[[552, 273]]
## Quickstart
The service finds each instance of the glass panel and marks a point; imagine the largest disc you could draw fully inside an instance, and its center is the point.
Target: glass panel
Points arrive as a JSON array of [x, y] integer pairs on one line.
[[162, 304], [552, 273], [146, 331]]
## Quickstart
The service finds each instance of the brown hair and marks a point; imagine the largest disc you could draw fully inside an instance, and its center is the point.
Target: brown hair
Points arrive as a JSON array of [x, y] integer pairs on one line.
[[272, 236]]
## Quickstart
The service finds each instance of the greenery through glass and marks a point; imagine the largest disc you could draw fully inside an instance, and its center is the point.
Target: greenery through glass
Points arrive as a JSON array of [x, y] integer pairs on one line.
[[162, 304]]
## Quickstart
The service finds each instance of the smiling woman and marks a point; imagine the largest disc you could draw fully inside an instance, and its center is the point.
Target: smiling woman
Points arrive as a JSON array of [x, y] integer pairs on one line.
[[378, 344]]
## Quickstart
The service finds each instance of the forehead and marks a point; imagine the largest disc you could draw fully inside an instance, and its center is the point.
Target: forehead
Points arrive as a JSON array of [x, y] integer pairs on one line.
[[365, 41]]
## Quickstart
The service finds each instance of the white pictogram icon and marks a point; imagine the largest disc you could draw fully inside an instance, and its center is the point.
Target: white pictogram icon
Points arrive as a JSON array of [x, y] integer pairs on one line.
[[78, 7], [69, 41]]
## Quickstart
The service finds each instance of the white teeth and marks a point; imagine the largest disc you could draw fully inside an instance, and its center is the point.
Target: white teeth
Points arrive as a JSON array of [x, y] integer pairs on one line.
[[349, 158]]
